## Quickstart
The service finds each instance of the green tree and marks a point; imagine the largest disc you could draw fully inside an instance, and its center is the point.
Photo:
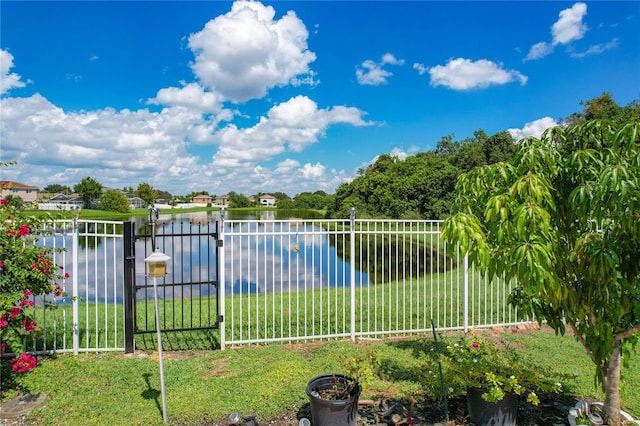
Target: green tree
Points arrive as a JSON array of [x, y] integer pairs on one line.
[[57, 189], [146, 193], [164, 195], [499, 147], [114, 201], [605, 107], [88, 189], [563, 220], [238, 200]]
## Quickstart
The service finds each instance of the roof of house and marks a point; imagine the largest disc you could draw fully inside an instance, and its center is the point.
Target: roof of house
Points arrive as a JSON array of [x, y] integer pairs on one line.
[[268, 197], [9, 184]]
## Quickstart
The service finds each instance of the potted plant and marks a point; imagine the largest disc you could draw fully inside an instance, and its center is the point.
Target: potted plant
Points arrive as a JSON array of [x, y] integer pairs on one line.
[[493, 378], [334, 400]]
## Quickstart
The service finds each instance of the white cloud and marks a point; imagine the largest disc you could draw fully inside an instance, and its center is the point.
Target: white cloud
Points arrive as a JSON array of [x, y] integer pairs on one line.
[[287, 166], [465, 74], [533, 128], [245, 52], [399, 153], [596, 49], [569, 27], [371, 72], [117, 147], [191, 95], [421, 68], [539, 50], [312, 171], [294, 124], [8, 80]]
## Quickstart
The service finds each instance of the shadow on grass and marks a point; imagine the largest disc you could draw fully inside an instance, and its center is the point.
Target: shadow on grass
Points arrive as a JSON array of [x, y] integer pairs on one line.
[[151, 393], [179, 340]]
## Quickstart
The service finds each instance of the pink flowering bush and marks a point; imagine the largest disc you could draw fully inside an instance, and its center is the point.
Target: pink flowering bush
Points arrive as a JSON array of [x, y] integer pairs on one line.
[[26, 271]]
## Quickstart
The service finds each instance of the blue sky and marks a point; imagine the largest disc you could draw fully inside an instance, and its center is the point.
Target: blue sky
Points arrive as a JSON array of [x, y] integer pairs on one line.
[[288, 96]]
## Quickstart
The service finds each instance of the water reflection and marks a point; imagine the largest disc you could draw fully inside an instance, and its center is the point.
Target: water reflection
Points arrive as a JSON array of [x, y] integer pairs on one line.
[[263, 254]]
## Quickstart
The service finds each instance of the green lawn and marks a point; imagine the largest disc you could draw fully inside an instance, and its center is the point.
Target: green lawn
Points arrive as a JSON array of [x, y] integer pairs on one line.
[[205, 386]]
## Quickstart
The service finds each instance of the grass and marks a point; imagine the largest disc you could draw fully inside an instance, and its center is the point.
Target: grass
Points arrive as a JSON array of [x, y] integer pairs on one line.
[[401, 305], [204, 387]]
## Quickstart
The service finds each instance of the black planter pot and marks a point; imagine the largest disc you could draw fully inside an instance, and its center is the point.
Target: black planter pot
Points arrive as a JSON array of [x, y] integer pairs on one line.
[[326, 412], [483, 413]]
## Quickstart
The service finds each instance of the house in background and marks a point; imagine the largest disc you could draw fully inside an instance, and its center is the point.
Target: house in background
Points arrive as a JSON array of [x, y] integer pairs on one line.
[[61, 202], [222, 200], [28, 193], [267, 200], [202, 200]]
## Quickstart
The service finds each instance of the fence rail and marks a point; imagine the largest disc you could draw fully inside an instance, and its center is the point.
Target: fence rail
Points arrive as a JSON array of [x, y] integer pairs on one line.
[[285, 281]]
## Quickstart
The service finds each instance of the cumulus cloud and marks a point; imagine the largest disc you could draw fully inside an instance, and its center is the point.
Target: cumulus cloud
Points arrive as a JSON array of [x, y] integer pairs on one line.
[[191, 96], [127, 144], [312, 171], [294, 124], [372, 73], [568, 28], [465, 74], [533, 128], [8, 80], [245, 52]]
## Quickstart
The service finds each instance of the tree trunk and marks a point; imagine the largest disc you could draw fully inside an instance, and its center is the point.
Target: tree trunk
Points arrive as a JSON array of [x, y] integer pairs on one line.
[[612, 387]]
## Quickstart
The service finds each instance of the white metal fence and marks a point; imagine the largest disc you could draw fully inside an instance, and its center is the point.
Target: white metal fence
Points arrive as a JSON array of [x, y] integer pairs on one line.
[[89, 315], [285, 281], [299, 280]]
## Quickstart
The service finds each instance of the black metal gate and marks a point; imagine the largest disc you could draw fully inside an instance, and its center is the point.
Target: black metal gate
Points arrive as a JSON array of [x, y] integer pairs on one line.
[[188, 293]]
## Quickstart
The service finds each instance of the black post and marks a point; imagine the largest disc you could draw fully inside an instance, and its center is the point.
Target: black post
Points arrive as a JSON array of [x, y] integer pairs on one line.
[[129, 286]]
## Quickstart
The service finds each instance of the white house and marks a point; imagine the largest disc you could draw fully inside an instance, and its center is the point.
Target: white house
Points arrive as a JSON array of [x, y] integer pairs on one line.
[[267, 200]]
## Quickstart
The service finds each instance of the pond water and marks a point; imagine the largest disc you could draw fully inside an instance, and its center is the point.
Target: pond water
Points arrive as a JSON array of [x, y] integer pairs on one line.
[[193, 257], [264, 253]]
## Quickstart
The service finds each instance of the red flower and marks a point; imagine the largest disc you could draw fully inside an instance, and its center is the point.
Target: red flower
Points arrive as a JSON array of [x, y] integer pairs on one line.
[[66, 275], [3, 321], [28, 293], [476, 345], [29, 326], [34, 266], [24, 230], [4, 202], [1, 264], [27, 302], [24, 363], [15, 312]]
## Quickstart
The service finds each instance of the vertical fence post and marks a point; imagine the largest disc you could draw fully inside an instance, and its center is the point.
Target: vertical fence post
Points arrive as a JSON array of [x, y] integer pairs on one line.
[[221, 277], [352, 261], [75, 300], [465, 283], [129, 283]]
